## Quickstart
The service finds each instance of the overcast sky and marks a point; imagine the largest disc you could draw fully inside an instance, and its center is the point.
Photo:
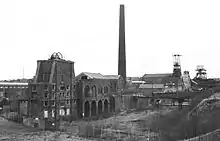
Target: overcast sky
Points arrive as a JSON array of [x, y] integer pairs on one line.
[[86, 32]]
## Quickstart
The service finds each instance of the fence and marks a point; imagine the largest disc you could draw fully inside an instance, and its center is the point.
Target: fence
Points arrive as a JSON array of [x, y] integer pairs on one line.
[[12, 116], [211, 136], [103, 133]]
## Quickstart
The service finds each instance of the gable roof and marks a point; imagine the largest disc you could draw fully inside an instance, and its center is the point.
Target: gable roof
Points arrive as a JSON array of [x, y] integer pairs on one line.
[[97, 76], [93, 75]]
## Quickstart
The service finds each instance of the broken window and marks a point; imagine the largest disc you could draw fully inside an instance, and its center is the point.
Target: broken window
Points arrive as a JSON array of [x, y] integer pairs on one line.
[[46, 95], [54, 95], [84, 77], [106, 89], [46, 87], [62, 77], [34, 88], [45, 103], [67, 94], [54, 87], [68, 87], [62, 88], [53, 103], [68, 102]]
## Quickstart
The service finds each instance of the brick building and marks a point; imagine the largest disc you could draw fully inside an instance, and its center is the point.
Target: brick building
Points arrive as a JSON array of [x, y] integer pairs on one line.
[[16, 93], [97, 95], [51, 92]]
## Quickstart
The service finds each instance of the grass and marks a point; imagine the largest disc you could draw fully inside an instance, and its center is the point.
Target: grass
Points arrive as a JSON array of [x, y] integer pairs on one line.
[[175, 125]]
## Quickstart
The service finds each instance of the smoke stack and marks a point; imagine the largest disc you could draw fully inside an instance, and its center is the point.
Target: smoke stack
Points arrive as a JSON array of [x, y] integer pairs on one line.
[[121, 55]]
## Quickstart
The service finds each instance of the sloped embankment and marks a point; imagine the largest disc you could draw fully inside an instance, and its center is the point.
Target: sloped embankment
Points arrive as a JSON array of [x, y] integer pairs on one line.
[[177, 126]]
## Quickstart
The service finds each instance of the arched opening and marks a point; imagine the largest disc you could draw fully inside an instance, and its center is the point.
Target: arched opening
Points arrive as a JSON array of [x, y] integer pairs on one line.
[[105, 89], [86, 91], [94, 91], [112, 104], [86, 109], [93, 108], [100, 107], [106, 106]]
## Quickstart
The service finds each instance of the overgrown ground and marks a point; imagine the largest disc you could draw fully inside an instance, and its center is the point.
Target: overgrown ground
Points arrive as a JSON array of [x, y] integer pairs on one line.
[[133, 123], [10, 131], [175, 125]]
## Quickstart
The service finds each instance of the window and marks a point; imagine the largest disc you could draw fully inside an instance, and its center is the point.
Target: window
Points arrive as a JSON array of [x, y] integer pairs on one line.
[[68, 94], [34, 88], [62, 112], [84, 77], [46, 87], [61, 77], [53, 103], [53, 112], [54, 87], [45, 103], [54, 95], [68, 102], [68, 87], [62, 94], [45, 114], [62, 88], [46, 95], [106, 89], [67, 111]]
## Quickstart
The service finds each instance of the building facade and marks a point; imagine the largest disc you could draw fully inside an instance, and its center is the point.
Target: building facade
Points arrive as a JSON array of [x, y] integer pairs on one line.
[[17, 95], [97, 95], [51, 93]]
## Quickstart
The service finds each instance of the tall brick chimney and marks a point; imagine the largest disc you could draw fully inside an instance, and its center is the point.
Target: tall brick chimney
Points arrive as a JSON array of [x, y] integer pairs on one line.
[[122, 55]]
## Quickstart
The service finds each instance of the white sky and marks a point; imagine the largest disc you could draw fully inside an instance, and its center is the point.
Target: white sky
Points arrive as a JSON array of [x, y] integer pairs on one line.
[[86, 32]]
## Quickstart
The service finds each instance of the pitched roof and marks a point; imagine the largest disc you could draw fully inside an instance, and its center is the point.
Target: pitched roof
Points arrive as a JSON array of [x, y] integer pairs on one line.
[[98, 75], [93, 75], [158, 75]]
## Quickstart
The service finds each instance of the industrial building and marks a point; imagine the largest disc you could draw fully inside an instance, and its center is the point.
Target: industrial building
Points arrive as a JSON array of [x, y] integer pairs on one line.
[[51, 94], [16, 94], [97, 94]]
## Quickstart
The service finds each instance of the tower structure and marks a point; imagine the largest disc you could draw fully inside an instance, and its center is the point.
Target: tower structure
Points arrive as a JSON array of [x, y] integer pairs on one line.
[[51, 92], [176, 65], [122, 54], [201, 72]]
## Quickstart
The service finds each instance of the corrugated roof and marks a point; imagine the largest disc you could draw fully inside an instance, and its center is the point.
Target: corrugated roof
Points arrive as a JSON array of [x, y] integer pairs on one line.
[[158, 75], [150, 86]]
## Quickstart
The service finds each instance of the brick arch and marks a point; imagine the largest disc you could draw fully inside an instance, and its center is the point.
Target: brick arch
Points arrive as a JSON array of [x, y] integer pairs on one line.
[[86, 91], [100, 105], [94, 91], [112, 104], [106, 103], [86, 109], [106, 89], [100, 89], [93, 108]]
